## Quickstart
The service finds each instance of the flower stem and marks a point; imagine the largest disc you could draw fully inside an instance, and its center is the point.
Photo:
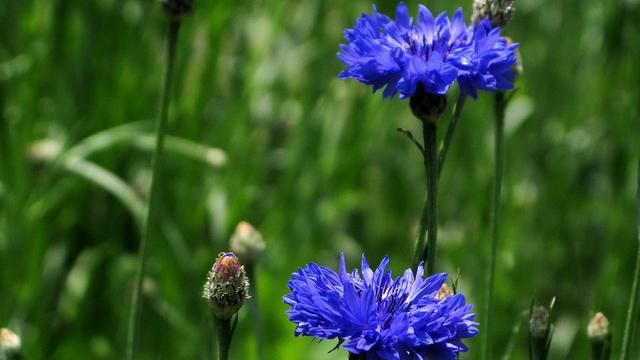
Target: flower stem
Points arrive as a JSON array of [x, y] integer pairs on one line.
[[150, 221], [499, 110], [223, 329], [632, 311], [448, 137], [430, 216], [442, 154]]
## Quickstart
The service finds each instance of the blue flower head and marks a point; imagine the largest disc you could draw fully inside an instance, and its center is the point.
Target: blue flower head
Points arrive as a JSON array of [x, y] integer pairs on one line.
[[382, 317], [402, 55]]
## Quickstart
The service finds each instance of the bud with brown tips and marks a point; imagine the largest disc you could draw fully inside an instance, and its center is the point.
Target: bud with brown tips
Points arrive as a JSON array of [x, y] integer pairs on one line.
[[227, 286]]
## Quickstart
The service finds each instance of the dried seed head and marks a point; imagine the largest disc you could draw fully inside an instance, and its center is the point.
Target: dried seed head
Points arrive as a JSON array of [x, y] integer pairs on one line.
[[598, 328], [176, 9], [539, 322], [9, 341], [499, 12], [227, 286], [427, 106], [247, 242], [444, 292]]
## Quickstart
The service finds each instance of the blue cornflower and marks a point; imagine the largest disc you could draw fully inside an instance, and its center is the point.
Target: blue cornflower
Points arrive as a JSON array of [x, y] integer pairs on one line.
[[433, 53], [372, 313], [487, 63]]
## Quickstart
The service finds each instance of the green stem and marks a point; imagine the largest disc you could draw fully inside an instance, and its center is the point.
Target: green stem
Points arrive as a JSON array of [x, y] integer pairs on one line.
[[254, 310], [223, 328], [150, 221], [448, 137], [633, 300], [430, 216], [442, 154], [601, 349], [499, 109]]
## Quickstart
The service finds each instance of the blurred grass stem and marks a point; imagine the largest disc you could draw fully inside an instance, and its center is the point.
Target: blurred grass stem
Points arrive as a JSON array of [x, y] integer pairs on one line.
[[632, 311], [150, 220], [499, 111], [255, 311]]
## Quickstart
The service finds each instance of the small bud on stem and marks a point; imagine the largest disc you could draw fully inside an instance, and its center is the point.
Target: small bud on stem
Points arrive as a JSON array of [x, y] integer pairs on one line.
[[540, 331], [598, 332]]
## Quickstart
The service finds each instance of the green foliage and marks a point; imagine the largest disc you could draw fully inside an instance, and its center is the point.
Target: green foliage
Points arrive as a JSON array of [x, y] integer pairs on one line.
[[314, 162]]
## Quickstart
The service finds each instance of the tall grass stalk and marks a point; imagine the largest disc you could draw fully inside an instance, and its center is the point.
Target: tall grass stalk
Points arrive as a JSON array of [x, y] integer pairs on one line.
[[499, 110], [632, 311], [150, 221]]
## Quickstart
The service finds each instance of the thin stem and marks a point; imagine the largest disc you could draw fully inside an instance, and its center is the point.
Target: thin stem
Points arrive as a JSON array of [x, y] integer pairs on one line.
[[499, 109], [429, 133], [448, 137], [150, 221], [633, 300], [254, 310], [223, 328]]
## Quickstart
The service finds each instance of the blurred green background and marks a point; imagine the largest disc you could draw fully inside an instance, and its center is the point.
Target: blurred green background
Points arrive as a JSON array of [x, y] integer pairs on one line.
[[265, 132]]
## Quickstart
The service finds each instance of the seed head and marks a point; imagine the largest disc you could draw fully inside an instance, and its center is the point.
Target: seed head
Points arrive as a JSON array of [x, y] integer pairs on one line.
[[499, 12], [247, 242], [227, 286]]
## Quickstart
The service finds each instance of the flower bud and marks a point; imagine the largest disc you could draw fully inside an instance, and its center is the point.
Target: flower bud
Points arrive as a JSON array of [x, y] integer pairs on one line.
[[539, 332], [598, 332], [539, 322], [176, 9], [598, 327], [427, 106], [247, 242], [227, 286], [499, 12], [9, 344]]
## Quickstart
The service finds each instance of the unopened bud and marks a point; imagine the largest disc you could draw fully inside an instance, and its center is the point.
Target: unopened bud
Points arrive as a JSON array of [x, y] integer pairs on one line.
[[444, 292], [227, 286], [247, 242], [539, 322], [539, 331], [176, 9], [499, 12], [44, 150], [9, 344], [598, 332], [598, 327]]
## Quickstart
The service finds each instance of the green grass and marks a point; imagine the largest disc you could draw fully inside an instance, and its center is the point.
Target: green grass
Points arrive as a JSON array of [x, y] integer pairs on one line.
[[314, 162]]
